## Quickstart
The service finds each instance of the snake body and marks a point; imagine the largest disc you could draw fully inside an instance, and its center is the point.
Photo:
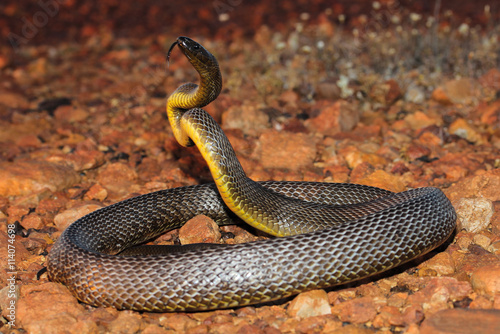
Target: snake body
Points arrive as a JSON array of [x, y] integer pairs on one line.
[[332, 233]]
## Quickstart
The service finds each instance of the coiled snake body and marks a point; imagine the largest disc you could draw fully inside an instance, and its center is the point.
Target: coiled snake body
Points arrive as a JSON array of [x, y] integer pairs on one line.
[[332, 233]]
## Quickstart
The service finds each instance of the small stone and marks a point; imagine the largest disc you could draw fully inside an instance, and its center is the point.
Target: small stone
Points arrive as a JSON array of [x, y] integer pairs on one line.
[[419, 120], [467, 131], [384, 180], [126, 322], [309, 304], [67, 217], [415, 94], [33, 221], [441, 263], [460, 91], [356, 311], [247, 118], [28, 177], [96, 192], [70, 114], [14, 100], [386, 93], [199, 229], [118, 178], [490, 114], [474, 214], [486, 280], [334, 118], [485, 185], [287, 150], [355, 156], [47, 308], [462, 321], [328, 91], [388, 316]]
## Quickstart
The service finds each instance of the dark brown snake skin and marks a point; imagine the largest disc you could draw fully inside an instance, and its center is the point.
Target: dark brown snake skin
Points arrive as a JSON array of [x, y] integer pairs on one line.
[[352, 231]]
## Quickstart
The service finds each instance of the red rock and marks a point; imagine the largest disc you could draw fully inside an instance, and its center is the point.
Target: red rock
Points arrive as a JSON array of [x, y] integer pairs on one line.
[[474, 214], [485, 185], [356, 311], [462, 91], [462, 321], [491, 79], [467, 131], [388, 316], [27, 177], [247, 118], [47, 308], [70, 114], [441, 263], [333, 118], [328, 91], [440, 95], [96, 192], [490, 114], [286, 150], [118, 178], [33, 221], [382, 179], [419, 120], [486, 280], [14, 100], [309, 304], [199, 229], [126, 322], [67, 217], [416, 151], [355, 156], [386, 93]]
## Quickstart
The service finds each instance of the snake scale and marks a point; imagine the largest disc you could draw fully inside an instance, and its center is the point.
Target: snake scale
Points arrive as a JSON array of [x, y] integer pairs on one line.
[[331, 233]]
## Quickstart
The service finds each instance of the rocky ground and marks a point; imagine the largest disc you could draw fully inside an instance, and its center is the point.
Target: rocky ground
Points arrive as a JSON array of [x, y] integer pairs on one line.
[[386, 96]]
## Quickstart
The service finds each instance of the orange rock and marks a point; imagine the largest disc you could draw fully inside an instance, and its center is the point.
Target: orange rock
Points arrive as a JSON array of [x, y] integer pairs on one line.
[[96, 192], [486, 280], [309, 304], [48, 308], [440, 96], [118, 178], [441, 263], [490, 114], [461, 91], [485, 185], [247, 118], [126, 322], [474, 214], [420, 120], [334, 118], [70, 114], [386, 93], [462, 321], [354, 157], [199, 229], [27, 177], [356, 311], [388, 316], [491, 79], [286, 150], [67, 217], [384, 180], [467, 131]]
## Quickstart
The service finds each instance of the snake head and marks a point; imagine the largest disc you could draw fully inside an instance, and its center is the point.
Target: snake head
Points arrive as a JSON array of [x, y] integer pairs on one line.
[[197, 55]]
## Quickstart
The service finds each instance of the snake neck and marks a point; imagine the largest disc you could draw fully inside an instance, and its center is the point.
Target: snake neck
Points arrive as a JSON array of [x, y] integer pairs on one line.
[[190, 96]]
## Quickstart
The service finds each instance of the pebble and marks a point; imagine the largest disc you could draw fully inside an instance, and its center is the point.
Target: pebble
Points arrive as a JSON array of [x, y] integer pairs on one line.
[[382, 179], [310, 304], [286, 150], [419, 120], [333, 118], [248, 118], [36, 315], [32, 176], [486, 280], [459, 91], [356, 311], [484, 185], [462, 321], [70, 114], [67, 217], [199, 229], [474, 214], [386, 93], [118, 178], [467, 131]]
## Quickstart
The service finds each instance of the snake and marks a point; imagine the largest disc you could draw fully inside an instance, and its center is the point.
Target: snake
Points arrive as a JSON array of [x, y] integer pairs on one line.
[[320, 234]]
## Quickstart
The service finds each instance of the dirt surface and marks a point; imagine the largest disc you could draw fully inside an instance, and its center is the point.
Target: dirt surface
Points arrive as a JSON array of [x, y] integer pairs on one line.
[[383, 93]]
